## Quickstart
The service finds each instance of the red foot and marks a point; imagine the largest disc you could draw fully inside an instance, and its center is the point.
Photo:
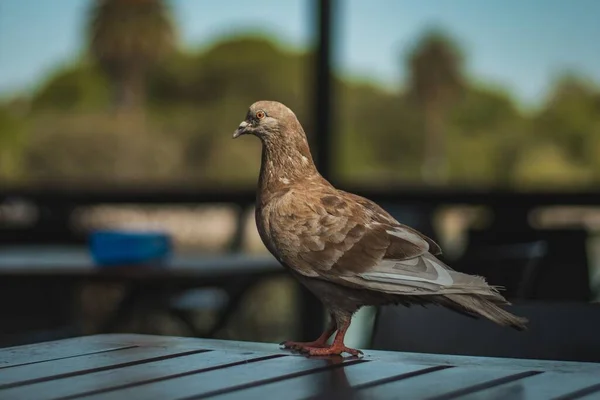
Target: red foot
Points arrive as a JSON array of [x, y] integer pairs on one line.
[[302, 345], [335, 349]]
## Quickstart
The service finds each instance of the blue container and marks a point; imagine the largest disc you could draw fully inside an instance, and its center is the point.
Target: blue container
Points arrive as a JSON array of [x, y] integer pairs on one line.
[[128, 248]]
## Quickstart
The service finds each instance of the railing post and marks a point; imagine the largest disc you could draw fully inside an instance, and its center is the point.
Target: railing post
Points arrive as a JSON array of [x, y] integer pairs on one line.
[[323, 88]]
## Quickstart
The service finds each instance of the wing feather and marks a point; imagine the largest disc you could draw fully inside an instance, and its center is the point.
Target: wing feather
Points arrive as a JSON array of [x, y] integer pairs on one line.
[[351, 241]]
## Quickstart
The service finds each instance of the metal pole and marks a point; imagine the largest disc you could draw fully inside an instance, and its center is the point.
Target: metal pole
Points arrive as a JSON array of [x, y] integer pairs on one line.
[[323, 89]]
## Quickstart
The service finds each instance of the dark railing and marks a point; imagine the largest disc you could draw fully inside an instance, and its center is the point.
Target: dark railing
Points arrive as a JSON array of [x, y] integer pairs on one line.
[[54, 206]]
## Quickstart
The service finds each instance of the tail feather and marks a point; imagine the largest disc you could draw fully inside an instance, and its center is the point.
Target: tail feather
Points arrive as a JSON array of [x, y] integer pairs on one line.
[[488, 308]]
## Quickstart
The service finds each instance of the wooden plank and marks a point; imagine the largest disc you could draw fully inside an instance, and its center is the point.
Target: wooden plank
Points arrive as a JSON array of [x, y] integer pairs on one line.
[[388, 356], [482, 362], [67, 347], [437, 383], [222, 380], [540, 387], [124, 377], [30, 373], [187, 343], [143, 366], [60, 349], [330, 381], [592, 394]]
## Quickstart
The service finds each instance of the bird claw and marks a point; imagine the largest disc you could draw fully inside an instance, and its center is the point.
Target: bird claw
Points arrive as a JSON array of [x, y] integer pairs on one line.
[[302, 345], [330, 351]]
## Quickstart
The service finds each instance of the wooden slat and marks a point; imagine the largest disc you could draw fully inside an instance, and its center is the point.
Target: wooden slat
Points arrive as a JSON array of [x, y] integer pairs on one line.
[[24, 374], [328, 382], [188, 343], [218, 381], [484, 362], [387, 356], [592, 395], [129, 376], [41, 352], [437, 383], [540, 387], [142, 366]]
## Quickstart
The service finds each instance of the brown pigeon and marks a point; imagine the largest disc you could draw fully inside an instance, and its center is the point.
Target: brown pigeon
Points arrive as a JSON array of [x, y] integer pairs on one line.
[[344, 248]]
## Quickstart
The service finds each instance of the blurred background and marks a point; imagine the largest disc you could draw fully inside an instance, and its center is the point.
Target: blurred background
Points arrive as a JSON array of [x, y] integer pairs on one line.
[[475, 122]]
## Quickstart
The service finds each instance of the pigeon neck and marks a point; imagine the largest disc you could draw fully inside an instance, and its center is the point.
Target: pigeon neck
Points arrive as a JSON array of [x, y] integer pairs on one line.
[[285, 164]]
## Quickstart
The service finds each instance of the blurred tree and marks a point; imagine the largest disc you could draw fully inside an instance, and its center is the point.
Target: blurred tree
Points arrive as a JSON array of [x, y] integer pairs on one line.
[[126, 38], [95, 148], [571, 120], [205, 91], [12, 139], [486, 125], [547, 165], [378, 129], [198, 97], [80, 87], [436, 80], [247, 67]]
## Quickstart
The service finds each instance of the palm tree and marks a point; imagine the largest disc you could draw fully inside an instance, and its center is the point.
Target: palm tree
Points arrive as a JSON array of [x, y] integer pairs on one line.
[[127, 37], [436, 80]]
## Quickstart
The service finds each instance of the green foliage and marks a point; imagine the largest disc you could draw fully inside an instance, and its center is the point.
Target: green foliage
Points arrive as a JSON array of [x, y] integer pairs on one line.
[[436, 82], [130, 31], [572, 110], [196, 99], [547, 164], [126, 38], [12, 141], [81, 87], [379, 138], [243, 68], [487, 133], [435, 65], [99, 148]]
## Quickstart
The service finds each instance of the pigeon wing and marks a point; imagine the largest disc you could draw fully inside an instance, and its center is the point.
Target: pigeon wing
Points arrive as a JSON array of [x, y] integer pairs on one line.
[[351, 241]]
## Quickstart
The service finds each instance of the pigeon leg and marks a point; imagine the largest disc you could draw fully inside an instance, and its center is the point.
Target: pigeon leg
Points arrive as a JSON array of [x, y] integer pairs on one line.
[[320, 342], [338, 347]]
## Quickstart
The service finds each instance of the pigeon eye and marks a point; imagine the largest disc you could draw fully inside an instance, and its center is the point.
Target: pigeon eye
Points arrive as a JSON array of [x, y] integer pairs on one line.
[[260, 114]]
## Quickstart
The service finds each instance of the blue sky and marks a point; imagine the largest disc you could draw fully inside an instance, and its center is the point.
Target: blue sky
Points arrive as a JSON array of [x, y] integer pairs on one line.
[[520, 44]]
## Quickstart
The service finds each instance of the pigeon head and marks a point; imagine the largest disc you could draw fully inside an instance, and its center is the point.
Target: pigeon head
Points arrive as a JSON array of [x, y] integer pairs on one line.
[[286, 154], [270, 121]]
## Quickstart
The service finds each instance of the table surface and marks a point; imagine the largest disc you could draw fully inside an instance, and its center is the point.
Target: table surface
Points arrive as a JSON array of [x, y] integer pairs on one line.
[[76, 261], [121, 366]]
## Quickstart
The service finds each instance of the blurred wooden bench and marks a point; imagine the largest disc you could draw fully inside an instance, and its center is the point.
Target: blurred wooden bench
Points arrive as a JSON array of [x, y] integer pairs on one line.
[[38, 290], [557, 331]]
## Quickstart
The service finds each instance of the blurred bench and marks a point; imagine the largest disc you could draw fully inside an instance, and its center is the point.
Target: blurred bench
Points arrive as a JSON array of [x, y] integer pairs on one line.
[[39, 288], [548, 264], [568, 331]]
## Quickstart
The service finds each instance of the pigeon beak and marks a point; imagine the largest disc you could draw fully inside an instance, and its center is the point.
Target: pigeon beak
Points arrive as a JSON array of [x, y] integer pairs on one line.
[[242, 129]]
